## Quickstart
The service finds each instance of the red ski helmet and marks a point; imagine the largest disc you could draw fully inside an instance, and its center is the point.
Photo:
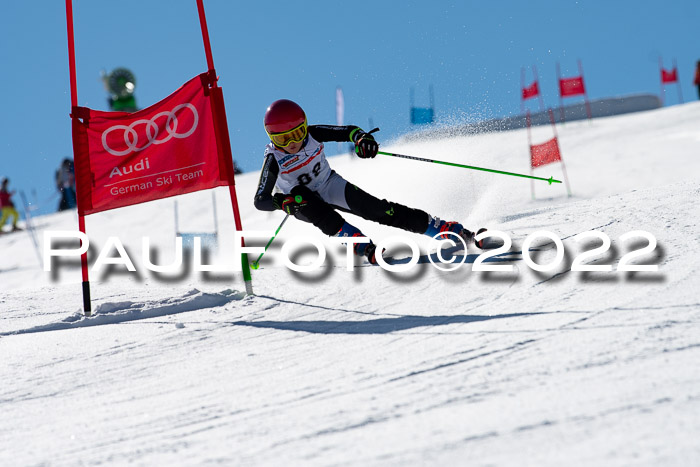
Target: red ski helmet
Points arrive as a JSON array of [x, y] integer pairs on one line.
[[285, 123]]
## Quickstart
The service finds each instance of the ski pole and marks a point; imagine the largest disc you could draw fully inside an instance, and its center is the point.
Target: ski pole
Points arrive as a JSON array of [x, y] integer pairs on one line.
[[30, 226], [256, 263], [550, 179]]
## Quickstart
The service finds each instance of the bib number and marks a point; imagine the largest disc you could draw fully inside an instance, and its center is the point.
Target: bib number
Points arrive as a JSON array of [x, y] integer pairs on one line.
[[305, 178]]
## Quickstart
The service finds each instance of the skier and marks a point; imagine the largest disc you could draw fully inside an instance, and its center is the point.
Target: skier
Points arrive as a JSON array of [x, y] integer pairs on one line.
[[696, 81], [6, 205], [307, 188]]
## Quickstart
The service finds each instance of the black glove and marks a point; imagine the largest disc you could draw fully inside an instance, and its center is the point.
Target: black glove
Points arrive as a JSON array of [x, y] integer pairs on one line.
[[365, 145], [288, 203]]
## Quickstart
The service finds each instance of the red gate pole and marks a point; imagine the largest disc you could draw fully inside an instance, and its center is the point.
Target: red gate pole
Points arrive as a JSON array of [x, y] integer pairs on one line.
[[661, 79], [539, 88], [561, 100], [224, 141], [561, 158], [678, 83], [529, 147], [585, 92], [87, 308], [522, 88], [205, 37]]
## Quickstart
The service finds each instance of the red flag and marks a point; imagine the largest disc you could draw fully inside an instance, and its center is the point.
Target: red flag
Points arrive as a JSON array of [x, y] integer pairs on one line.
[[669, 76], [571, 86], [531, 91], [545, 153], [164, 150]]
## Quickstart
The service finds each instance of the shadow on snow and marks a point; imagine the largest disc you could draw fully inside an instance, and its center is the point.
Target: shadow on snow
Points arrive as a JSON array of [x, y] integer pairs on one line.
[[376, 326]]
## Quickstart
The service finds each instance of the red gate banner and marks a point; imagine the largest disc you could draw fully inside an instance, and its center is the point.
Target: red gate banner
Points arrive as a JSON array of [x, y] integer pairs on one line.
[[531, 91], [669, 76], [165, 150], [545, 153], [571, 86]]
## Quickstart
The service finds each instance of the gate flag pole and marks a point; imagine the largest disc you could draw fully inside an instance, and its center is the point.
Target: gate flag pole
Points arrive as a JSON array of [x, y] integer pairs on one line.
[[522, 89], [661, 82], [678, 83], [529, 146], [561, 159], [562, 113], [87, 308], [223, 140], [539, 94], [585, 92]]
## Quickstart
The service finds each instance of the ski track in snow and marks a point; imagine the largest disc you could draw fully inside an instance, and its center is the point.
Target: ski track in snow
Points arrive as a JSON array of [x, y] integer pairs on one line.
[[373, 368]]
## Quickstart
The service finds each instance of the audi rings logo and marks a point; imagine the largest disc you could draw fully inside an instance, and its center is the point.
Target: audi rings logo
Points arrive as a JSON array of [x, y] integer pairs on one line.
[[131, 137]]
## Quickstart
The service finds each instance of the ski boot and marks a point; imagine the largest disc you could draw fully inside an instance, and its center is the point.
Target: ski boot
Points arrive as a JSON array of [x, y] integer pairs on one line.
[[360, 249], [437, 226], [370, 253]]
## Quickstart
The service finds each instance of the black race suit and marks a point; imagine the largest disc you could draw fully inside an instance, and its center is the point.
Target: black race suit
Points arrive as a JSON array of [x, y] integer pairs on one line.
[[307, 173]]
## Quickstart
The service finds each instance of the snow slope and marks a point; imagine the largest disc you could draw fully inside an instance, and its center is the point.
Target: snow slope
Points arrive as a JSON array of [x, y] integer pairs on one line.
[[368, 367]]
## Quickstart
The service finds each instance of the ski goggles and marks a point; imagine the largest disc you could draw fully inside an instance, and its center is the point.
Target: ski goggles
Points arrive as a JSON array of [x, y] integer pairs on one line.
[[295, 135]]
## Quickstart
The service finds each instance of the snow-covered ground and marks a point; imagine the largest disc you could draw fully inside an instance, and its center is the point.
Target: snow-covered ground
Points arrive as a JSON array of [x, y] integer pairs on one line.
[[368, 367]]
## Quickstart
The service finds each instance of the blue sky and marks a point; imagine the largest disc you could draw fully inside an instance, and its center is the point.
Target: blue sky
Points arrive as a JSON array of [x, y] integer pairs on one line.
[[471, 52]]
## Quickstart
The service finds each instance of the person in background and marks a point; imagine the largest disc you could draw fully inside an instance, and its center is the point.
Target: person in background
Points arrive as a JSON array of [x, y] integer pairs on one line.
[[696, 81], [65, 183], [6, 206]]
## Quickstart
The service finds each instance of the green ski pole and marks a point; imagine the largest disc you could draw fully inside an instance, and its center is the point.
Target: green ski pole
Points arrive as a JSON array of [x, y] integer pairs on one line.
[[256, 263], [550, 180]]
